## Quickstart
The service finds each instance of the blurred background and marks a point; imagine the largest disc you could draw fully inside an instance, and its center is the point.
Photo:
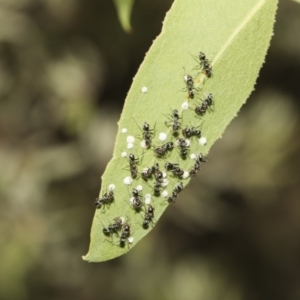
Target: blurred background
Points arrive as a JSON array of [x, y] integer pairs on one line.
[[65, 69]]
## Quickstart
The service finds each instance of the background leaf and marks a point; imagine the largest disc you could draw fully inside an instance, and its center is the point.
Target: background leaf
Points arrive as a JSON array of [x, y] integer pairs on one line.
[[235, 35], [124, 9]]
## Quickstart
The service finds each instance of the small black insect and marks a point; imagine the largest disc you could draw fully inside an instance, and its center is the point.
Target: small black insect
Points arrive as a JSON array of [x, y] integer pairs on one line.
[[174, 121], [147, 173], [190, 86], [155, 168], [106, 199], [157, 189], [159, 177], [189, 132], [201, 158], [184, 147], [208, 70], [174, 168], [175, 114], [133, 165], [170, 166], [173, 197], [195, 169], [133, 172], [204, 62], [149, 215], [124, 235], [161, 151], [114, 227], [182, 142], [178, 172], [197, 166], [136, 201], [202, 58], [136, 193], [147, 134], [132, 160], [178, 188], [207, 102]]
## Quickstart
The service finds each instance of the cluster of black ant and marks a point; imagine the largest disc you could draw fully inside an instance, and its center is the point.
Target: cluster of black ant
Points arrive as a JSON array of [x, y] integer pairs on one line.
[[105, 200], [119, 226], [113, 227], [116, 227]]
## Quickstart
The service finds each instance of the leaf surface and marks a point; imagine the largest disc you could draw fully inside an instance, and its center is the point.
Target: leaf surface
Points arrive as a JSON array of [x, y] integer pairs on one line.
[[235, 36]]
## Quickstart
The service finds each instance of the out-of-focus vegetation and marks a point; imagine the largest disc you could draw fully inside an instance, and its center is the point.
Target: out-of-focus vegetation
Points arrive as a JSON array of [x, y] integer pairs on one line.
[[65, 69]]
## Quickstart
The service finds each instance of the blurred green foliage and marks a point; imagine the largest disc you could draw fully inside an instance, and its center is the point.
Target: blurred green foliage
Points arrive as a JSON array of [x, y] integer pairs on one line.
[[65, 69], [124, 8]]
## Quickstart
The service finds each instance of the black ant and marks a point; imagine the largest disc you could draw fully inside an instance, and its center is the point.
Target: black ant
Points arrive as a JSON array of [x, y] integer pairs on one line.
[[149, 215], [170, 166], [184, 147], [178, 172], [195, 169], [197, 166], [161, 151], [178, 188], [155, 168], [190, 85], [189, 132], [136, 201], [113, 227], [133, 165], [133, 172], [132, 159], [208, 70], [202, 58], [207, 102], [173, 197], [205, 64], [174, 122], [201, 158], [124, 235], [159, 177], [157, 189], [147, 134], [174, 168], [106, 199], [148, 172]]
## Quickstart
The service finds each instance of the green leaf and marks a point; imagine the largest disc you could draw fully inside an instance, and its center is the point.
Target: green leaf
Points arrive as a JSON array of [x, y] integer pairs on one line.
[[235, 36], [124, 8], [298, 1]]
